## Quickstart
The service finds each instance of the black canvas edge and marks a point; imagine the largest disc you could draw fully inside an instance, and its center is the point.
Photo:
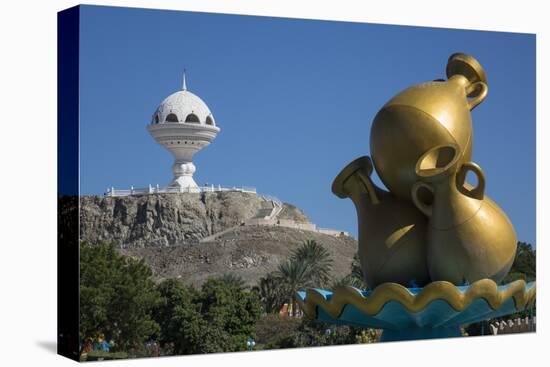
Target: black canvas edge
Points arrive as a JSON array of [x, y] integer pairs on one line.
[[68, 264]]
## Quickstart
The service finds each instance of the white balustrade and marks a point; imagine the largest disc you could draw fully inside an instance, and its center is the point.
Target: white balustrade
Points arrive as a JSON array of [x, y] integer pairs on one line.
[[173, 190]]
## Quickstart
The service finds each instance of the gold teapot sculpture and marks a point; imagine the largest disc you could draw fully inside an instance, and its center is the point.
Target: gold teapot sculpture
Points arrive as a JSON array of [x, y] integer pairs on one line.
[[392, 243], [469, 236], [421, 145]]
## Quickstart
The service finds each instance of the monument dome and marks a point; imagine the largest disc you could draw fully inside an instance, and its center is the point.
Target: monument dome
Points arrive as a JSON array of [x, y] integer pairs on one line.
[[184, 107], [183, 124]]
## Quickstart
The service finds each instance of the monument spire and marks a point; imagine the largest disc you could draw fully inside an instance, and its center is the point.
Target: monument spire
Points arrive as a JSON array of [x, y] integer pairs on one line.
[[184, 87]]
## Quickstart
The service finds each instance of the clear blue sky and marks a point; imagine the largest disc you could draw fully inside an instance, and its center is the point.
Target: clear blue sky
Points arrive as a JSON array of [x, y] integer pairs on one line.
[[294, 99]]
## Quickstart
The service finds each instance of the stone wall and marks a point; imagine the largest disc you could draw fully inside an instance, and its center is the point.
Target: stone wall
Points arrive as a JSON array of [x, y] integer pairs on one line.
[[289, 223]]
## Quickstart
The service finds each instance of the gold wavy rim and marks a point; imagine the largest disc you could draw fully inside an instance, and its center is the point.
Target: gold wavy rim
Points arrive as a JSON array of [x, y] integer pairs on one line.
[[384, 293]]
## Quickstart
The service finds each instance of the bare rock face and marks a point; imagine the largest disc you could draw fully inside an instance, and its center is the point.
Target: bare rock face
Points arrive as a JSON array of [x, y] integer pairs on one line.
[[293, 213], [163, 220]]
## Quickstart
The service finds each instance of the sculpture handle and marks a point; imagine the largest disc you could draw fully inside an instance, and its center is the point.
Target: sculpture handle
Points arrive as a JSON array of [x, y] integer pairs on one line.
[[424, 208], [479, 191], [479, 95]]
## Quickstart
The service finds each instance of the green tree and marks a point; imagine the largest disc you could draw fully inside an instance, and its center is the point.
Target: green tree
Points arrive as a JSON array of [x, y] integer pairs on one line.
[[174, 313], [309, 265], [357, 271], [117, 295], [525, 264], [271, 329], [348, 280], [313, 333], [295, 276], [230, 309], [354, 278], [218, 318], [317, 259], [234, 281], [271, 293]]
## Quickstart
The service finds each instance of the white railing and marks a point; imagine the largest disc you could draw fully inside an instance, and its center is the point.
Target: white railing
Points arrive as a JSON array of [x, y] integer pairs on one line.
[[273, 199], [175, 190]]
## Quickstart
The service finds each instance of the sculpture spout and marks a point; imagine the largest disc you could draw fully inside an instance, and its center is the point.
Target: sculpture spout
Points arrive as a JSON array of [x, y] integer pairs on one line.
[[354, 182], [391, 231]]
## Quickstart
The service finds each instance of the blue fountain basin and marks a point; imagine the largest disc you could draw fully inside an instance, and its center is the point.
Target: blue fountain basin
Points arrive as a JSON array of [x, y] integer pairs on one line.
[[437, 310]]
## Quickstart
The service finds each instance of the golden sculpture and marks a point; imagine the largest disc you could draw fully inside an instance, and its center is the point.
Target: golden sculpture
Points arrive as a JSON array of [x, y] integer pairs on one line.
[[421, 145], [469, 236], [423, 116], [392, 233]]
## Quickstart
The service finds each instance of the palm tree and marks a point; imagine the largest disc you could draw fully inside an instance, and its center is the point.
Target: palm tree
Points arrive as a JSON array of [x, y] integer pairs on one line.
[[354, 278], [271, 291], [348, 280], [296, 275], [317, 258], [358, 280]]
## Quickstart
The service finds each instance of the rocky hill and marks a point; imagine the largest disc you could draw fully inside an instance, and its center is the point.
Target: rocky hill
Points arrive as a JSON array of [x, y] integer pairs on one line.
[[166, 231], [248, 251]]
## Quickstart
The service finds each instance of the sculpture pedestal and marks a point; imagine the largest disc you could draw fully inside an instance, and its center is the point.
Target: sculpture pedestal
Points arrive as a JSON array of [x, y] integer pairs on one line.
[[435, 311], [183, 175]]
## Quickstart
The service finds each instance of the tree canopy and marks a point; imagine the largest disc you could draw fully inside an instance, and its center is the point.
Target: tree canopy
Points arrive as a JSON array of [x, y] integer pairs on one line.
[[116, 296], [119, 300], [308, 266], [525, 264], [316, 259], [271, 293], [220, 317]]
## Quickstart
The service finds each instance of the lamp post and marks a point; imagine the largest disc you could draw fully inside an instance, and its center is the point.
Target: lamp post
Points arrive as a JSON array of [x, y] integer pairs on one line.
[[250, 343]]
